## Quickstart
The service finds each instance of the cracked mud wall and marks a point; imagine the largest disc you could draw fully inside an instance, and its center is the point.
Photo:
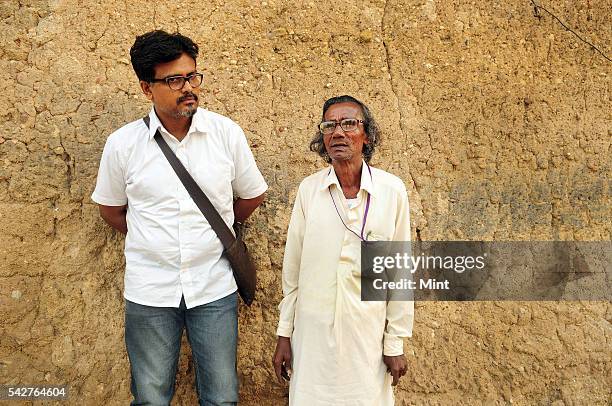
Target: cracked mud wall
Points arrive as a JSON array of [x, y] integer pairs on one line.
[[497, 119]]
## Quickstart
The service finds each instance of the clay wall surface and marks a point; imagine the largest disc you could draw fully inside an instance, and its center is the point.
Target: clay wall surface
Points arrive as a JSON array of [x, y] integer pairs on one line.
[[497, 119]]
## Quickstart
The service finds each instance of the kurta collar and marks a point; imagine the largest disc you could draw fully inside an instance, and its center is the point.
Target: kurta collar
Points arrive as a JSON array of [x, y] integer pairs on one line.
[[365, 184], [198, 123]]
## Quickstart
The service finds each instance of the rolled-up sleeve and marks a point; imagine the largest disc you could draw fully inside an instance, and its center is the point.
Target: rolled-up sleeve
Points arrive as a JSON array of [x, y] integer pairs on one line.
[[400, 314], [291, 268]]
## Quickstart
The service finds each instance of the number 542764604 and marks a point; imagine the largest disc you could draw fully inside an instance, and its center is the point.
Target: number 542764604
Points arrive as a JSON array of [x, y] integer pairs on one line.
[[33, 392]]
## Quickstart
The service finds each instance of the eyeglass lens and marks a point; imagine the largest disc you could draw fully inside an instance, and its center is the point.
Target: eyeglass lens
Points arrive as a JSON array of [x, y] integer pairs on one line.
[[348, 124], [178, 82]]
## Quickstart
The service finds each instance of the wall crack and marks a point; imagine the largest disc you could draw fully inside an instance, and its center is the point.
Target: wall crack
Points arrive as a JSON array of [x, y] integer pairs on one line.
[[397, 99]]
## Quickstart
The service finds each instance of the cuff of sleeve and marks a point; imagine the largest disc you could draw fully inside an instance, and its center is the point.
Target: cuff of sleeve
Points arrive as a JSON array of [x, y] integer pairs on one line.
[[251, 194], [106, 201], [284, 330], [393, 346]]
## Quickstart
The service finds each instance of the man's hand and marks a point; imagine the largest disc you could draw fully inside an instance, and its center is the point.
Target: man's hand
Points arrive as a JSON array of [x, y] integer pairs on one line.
[[396, 366], [282, 359]]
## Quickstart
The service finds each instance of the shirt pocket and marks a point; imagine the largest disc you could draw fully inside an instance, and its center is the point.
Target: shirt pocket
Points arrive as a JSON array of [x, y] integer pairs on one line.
[[377, 235], [150, 182]]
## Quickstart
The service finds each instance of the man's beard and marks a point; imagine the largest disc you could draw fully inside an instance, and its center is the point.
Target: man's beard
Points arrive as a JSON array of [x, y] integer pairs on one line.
[[191, 110]]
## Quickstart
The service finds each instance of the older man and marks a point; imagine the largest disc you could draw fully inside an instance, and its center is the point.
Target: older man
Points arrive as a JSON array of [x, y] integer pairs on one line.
[[338, 349]]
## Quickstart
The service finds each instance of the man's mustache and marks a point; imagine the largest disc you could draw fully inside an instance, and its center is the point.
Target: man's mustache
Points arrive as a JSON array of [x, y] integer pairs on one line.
[[186, 96]]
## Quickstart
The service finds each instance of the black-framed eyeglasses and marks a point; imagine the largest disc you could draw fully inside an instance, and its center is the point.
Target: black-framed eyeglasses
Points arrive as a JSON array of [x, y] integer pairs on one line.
[[347, 125], [177, 82]]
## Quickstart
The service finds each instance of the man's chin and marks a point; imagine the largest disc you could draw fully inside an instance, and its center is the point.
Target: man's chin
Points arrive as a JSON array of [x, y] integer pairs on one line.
[[340, 157], [189, 111]]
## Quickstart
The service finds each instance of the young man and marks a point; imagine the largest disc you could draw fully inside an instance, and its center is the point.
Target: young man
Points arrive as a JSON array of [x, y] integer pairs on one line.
[[176, 276]]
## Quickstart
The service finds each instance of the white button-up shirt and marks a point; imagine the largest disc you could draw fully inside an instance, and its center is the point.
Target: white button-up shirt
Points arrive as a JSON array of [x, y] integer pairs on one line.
[[170, 248]]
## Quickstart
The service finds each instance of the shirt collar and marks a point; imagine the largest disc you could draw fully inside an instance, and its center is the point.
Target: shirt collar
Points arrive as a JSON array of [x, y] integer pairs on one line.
[[198, 123], [366, 179]]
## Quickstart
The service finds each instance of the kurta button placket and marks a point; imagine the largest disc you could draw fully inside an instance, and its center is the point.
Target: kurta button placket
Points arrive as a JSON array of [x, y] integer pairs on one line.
[[184, 203]]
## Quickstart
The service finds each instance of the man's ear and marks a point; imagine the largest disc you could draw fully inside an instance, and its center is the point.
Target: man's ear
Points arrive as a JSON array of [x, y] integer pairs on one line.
[[146, 89]]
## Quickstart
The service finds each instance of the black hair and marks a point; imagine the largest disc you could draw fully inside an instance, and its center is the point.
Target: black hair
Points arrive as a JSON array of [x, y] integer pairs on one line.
[[157, 47], [369, 124]]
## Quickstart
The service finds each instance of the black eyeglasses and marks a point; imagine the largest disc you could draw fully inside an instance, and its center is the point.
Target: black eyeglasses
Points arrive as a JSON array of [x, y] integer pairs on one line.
[[177, 82], [347, 125]]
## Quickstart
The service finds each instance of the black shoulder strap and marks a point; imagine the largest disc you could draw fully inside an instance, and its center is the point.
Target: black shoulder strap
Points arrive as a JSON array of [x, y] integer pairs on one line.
[[199, 197]]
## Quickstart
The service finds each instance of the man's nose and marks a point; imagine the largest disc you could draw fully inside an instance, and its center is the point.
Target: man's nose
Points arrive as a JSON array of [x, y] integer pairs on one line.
[[338, 131], [187, 87]]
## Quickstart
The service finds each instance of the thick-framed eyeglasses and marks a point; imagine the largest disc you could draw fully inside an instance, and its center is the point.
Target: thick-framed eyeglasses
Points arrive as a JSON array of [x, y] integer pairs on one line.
[[177, 82], [347, 125]]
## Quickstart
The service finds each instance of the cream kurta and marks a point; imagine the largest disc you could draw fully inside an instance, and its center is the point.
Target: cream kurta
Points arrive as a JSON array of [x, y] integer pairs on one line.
[[338, 340]]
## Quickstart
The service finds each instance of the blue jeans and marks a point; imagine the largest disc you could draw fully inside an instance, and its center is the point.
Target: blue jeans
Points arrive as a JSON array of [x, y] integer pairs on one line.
[[153, 340]]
